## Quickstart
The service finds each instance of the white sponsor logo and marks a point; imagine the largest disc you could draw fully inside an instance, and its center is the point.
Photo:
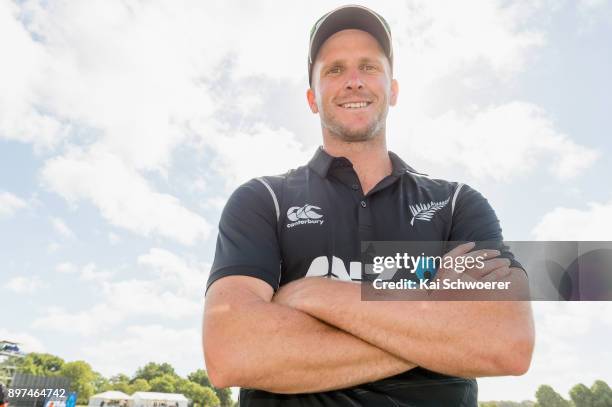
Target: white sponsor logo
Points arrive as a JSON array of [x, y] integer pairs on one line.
[[302, 215], [320, 267], [426, 211]]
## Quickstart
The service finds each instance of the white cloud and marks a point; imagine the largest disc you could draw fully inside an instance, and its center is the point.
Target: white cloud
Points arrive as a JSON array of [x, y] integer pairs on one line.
[[119, 72], [175, 293], [88, 272], [436, 38], [138, 345], [561, 223], [215, 202], [135, 80], [60, 227], [140, 297], [247, 154], [121, 301], [24, 284], [123, 196], [9, 204], [96, 319], [22, 116], [500, 142], [189, 278]]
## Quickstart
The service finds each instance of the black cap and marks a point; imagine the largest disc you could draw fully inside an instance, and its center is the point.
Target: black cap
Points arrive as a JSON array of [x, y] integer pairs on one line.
[[345, 17]]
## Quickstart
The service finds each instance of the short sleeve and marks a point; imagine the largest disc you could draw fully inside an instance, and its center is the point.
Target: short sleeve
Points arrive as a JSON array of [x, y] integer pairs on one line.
[[474, 220], [247, 243]]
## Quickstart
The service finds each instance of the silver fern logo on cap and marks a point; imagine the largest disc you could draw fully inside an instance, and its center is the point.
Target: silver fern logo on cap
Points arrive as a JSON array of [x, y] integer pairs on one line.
[[426, 211]]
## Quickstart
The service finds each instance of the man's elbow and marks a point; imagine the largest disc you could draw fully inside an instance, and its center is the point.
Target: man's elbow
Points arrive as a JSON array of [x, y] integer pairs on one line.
[[219, 367], [220, 353], [515, 359]]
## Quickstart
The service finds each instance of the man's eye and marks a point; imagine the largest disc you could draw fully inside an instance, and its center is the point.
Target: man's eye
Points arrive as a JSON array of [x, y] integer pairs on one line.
[[369, 68], [335, 69]]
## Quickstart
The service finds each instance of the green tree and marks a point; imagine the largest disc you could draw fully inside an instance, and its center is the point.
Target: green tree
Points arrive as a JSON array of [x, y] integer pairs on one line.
[[581, 396], [201, 377], [225, 396], [209, 398], [82, 379], [602, 394], [165, 383], [191, 390], [40, 364], [152, 370], [139, 385], [120, 382], [548, 397], [199, 395], [100, 383], [119, 378]]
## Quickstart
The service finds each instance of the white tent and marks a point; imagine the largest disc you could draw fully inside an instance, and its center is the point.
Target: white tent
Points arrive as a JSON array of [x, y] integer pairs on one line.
[[110, 398], [151, 399]]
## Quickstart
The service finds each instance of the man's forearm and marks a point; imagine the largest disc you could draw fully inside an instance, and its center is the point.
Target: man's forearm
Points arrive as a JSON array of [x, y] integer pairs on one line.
[[462, 338], [272, 347]]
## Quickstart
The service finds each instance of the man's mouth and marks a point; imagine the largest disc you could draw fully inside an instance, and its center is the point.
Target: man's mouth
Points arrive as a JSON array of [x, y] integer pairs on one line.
[[355, 105]]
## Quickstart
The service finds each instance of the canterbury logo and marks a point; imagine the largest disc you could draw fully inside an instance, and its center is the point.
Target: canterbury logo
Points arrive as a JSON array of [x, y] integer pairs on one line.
[[301, 215], [426, 211]]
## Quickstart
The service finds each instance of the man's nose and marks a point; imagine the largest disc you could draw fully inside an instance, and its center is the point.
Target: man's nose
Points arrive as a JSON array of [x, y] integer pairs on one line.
[[353, 81]]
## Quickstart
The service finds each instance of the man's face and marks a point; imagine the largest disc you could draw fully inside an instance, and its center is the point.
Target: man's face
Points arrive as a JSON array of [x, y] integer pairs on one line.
[[352, 86]]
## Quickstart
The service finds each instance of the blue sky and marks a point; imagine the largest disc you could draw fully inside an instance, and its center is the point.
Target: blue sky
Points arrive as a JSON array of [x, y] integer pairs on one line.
[[124, 126]]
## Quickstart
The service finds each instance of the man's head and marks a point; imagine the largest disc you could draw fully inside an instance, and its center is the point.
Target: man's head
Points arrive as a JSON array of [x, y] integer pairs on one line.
[[350, 72]]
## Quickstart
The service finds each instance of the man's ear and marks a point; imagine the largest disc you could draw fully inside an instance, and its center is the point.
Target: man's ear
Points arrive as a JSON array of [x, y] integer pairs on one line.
[[394, 92], [312, 101]]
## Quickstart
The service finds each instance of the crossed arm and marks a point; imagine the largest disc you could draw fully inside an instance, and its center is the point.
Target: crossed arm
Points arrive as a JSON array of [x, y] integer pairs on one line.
[[251, 341], [458, 338], [317, 334]]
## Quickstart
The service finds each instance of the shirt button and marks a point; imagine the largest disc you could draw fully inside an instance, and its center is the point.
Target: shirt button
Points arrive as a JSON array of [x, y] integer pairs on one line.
[[363, 204], [355, 187]]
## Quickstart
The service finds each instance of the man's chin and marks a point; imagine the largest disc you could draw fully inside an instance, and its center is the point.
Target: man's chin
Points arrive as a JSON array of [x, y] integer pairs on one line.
[[353, 135], [357, 135], [352, 132]]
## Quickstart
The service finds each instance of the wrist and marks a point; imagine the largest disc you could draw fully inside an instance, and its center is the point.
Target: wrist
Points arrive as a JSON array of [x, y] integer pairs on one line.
[[309, 293]]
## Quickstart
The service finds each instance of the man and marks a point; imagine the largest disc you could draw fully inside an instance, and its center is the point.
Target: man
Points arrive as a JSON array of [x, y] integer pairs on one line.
[[289, 340]]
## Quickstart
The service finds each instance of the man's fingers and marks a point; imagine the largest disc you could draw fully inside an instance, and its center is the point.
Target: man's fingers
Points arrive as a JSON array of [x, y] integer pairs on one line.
[[497, 274], [461, 249], [486, 254], [490, 267]]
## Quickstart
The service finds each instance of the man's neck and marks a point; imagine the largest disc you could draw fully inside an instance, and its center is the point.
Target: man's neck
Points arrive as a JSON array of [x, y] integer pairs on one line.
[[370, 158]]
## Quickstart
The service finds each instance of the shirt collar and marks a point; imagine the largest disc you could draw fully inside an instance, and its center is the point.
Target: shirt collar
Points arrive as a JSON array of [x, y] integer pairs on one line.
[[321, 163]]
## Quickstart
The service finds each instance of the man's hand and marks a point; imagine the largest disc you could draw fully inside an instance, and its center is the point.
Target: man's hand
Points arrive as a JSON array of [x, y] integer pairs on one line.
[[476, 268], [493, 268], [287, 294], [293, 294]]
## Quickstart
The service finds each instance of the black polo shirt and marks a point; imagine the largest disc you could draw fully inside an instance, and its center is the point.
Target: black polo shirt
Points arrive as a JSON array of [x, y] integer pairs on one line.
[[312, 220]]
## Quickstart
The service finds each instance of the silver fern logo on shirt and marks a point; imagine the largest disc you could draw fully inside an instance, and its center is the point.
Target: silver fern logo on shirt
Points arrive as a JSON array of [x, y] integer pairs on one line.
[[426, 211], [302, 215]]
